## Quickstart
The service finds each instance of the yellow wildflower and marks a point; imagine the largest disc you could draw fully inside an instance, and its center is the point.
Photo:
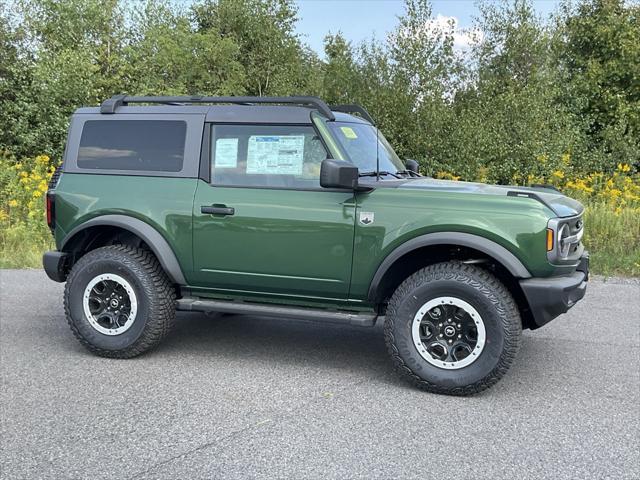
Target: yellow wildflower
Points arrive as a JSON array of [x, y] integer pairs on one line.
[[13, 203], [42, 159], [37, 194], [558, 174], [614, 193], [447, 176], [623, 167], [43, 186], [23, 174]]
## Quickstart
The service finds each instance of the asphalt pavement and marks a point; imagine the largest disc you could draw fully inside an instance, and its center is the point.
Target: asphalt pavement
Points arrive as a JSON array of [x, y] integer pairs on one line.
[[251, 397]]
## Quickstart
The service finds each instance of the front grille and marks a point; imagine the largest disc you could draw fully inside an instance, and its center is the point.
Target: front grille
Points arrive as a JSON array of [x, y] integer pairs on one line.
[[576, 229]]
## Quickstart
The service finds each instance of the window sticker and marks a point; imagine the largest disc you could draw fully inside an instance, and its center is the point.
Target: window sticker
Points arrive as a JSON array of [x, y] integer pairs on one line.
[[226, 155], [275, 154], [349, 133]]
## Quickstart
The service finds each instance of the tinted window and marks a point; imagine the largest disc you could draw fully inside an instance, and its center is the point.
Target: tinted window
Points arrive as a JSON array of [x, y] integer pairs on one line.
[[151, 145], [277, 156]]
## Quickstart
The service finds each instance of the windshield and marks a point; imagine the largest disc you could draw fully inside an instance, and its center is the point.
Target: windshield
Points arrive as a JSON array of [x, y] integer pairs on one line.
[[358, 140]]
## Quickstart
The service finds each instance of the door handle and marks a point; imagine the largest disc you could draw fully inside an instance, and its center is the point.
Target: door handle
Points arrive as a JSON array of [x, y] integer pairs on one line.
[[217, 210]]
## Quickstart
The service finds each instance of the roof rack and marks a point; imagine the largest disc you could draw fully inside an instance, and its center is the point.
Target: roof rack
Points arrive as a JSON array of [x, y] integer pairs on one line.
[[353, 108], [110, 105]]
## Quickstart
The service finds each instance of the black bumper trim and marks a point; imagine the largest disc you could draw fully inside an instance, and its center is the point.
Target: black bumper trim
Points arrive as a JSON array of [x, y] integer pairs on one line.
[[550, 297], [54, 264]]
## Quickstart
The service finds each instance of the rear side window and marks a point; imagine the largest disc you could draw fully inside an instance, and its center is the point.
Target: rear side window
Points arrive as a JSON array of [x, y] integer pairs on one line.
[[142, 145]]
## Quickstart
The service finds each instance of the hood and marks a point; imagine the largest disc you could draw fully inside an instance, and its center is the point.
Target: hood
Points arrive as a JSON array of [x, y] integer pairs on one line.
[[560, 204]]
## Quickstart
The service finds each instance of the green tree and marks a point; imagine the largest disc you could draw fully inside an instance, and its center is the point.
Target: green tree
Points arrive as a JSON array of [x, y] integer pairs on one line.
[[169, 56], [600, 54], [507, 122], [77, 47], [340, 71], [15, 78], [269, 49]]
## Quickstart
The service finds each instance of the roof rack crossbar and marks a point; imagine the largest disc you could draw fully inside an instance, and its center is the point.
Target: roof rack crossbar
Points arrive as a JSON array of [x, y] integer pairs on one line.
[[110, 105], [353, 108]]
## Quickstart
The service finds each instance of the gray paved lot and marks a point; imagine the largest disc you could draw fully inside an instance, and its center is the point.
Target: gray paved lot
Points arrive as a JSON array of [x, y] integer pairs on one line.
[[247, 397]]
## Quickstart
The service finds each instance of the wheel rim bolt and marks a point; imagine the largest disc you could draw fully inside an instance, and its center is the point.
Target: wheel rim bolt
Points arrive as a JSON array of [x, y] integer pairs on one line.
[[441, 335]]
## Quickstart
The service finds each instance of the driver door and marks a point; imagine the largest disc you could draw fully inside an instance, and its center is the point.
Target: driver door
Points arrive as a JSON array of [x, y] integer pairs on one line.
[[263, 225]]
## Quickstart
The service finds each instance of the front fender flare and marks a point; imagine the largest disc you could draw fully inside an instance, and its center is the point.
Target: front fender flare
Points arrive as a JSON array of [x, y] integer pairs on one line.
[[484, 245], [156, 242]]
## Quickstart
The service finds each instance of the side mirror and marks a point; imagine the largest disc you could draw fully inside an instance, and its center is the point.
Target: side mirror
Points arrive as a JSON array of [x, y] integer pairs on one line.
[[412, 165], [338, 174]]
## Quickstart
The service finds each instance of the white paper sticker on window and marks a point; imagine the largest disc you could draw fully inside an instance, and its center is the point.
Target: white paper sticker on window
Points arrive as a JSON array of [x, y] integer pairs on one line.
[[226, 155], [275, 154]]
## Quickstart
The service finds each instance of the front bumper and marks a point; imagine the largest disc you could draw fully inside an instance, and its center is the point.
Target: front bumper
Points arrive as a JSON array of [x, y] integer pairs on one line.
[[553, 296], [55, 265]]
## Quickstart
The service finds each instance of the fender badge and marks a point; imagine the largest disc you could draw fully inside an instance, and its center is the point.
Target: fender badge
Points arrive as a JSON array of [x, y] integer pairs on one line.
[[366, 218]]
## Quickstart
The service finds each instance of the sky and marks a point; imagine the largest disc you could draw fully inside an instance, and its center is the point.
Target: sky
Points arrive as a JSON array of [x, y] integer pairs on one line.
[[360, 19]]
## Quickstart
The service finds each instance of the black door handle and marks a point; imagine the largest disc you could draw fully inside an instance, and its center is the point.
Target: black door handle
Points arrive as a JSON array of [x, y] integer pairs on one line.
[[217, 210]]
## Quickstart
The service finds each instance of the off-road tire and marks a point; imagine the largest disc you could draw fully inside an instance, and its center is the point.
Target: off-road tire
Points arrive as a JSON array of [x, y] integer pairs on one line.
[[156, 298], [487, 295]]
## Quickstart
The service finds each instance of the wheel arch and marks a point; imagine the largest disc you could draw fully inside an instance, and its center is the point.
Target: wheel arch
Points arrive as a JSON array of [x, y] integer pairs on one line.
[[431, 248], [83, 238]]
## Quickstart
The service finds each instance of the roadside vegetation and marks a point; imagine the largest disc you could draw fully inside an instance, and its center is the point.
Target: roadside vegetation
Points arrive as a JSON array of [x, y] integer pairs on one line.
[[530, 101]]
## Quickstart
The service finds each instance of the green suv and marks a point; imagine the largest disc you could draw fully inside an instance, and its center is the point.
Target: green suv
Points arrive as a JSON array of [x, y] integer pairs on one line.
[[290, 208]]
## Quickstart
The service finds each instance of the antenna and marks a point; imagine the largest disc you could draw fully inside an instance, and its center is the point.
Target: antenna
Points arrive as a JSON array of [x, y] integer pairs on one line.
[[377, 156]]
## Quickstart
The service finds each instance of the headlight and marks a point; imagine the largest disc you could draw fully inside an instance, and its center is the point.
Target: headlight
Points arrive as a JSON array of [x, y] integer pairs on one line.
[[563, 239], [563, 244]]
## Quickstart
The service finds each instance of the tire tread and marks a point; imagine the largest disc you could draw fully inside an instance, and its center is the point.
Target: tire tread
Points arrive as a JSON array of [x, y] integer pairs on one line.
[[162, 298], [490, 287]]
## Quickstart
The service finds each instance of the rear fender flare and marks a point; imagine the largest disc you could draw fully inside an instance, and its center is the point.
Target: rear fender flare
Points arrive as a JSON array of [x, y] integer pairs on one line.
[[156, 242]]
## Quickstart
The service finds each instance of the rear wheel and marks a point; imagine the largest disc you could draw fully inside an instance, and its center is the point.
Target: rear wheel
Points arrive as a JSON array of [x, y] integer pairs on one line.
[[119, 302], [452, 328]]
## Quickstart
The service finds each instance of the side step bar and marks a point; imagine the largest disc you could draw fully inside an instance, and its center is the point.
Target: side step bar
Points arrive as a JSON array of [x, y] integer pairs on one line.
[[331, 316]]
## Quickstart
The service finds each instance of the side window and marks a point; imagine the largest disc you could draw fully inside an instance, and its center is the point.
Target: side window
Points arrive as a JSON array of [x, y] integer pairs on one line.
[[143, 145], [278, 156]]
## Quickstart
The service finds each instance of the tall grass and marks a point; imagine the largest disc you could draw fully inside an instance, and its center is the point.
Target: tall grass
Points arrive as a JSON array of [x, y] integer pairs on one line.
[[20, 248], [613, 240]]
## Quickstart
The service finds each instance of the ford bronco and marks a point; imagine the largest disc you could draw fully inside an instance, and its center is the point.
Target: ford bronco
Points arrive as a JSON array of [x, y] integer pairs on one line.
[[286, 207]]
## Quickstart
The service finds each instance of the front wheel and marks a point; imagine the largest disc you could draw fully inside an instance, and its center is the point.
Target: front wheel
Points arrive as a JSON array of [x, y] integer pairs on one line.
[[452, 328]]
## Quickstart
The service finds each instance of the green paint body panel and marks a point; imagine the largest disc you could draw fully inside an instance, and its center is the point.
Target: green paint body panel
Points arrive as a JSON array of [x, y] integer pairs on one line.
[[280, 242], [295, 246], [165, 203], [518, 224]]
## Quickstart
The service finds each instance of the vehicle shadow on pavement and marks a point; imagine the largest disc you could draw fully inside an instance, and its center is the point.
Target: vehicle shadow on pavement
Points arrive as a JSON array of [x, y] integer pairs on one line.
[[242, 338], [282, 342]]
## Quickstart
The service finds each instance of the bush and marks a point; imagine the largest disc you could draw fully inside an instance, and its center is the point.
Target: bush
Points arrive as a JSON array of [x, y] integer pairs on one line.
[[24, 234]]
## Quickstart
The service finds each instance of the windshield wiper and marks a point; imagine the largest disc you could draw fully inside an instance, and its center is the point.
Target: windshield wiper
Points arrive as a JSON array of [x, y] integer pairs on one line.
[[373, 173], [411, 173]]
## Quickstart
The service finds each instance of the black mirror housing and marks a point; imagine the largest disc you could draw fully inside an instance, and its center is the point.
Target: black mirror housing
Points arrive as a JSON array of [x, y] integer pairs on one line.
[[338, 174], [412, 165]]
